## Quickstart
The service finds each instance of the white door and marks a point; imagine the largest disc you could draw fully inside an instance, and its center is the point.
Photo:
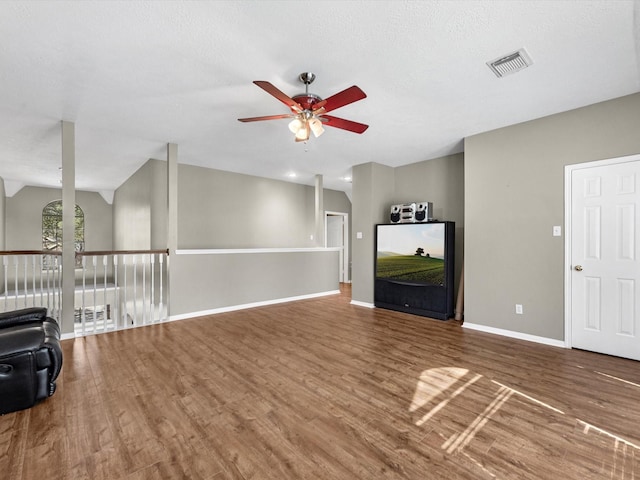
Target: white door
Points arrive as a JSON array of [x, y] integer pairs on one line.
[[336, 231], [605, 270]]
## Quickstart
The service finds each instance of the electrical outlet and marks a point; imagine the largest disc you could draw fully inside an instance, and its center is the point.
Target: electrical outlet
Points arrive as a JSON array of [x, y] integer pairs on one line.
[[518, 309], [557, 231]]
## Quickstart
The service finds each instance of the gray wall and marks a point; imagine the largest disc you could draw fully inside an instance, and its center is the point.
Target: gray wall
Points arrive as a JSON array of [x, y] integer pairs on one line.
[[207, 282], [132, 203], [441, 182], [218, 209], [514, 195], [377, 187], [140, 209], [24, 218], [373, 193], [158, 199]]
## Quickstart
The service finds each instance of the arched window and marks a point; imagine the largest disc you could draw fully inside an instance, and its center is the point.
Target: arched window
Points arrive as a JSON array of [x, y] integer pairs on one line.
[[52, 227]]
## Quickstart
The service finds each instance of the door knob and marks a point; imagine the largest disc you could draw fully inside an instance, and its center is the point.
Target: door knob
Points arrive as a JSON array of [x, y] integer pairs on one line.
[[578, 268]]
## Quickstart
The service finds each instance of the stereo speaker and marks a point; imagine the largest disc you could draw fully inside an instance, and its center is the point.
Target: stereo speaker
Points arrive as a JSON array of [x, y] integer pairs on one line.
[[403, 213], [424, 212]]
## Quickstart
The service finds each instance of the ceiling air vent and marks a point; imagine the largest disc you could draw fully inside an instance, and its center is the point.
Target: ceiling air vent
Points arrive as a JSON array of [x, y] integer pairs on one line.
[[511, 63]]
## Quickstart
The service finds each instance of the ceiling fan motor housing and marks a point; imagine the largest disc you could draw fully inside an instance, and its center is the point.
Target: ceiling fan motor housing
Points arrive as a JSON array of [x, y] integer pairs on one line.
[[307, 100]]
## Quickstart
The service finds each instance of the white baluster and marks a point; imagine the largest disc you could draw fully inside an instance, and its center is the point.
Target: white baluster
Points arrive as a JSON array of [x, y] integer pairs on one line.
[[15, 282], [25, 280], [45, 273], [135, 289], [54, 278], [42, 273], [124, 305], [33, 280], [116, 306], [161, 260], [5, 266], [58, 284], [104, 303], [54, 283], [152, 299], [94, 261], [83, 314], [143, 258]]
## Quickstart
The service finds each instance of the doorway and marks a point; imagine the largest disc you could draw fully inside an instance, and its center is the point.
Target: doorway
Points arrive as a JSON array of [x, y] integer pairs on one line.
[[336, 228], [602, 269]]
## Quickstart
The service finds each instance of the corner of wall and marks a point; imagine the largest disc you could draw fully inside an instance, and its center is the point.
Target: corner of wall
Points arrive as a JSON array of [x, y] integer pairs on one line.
[[373, 190]]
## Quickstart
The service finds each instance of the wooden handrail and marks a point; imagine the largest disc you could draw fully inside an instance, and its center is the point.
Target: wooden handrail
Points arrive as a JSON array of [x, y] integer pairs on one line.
[[81, 254], [119, 252], [30, 252]]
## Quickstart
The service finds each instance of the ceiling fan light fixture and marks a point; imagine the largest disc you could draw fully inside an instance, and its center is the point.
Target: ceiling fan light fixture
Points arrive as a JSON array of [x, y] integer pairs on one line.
[[302, 135], [316, 127], [295, 125]]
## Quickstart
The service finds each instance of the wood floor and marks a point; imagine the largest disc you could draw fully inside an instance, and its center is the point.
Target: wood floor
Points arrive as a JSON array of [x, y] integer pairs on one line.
[[321, 389]]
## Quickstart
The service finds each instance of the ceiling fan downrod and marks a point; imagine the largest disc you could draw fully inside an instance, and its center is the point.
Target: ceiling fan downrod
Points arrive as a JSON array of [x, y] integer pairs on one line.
[[307, 78]]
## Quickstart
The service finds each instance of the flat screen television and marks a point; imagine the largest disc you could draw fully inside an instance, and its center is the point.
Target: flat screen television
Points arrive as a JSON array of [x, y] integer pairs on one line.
[[414, 268]]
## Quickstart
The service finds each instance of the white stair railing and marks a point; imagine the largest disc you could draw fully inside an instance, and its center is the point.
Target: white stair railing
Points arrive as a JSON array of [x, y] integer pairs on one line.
[[114, 289], [121, 289], [31, 278]]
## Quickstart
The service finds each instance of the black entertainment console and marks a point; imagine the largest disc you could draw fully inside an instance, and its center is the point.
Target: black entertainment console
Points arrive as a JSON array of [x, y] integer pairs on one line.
[[414, 268]]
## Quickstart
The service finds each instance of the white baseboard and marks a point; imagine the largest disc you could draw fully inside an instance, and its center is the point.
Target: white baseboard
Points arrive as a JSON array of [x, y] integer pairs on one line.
[[362, 304], [67, 336], [520, 336], [233, 308]]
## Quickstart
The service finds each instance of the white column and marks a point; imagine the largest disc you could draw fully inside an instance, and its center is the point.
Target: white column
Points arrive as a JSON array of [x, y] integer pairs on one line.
[[68, 224], [172, 215], [172, 197]]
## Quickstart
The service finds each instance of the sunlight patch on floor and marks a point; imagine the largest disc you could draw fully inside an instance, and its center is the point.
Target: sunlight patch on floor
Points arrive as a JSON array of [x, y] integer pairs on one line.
[[444, 402], [531, 399], [618, 379], [588, 427], [459, 441], [433, 382], [441, 383]]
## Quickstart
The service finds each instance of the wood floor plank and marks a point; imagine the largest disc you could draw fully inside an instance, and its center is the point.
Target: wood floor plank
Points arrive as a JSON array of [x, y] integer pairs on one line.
[[322, 389]]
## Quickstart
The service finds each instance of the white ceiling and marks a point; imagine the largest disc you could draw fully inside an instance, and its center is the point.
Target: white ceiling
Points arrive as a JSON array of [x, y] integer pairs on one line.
[[134, 75]]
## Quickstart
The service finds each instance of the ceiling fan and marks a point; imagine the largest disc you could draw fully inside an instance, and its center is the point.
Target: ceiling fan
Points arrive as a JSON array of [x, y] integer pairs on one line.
[[309, 111]]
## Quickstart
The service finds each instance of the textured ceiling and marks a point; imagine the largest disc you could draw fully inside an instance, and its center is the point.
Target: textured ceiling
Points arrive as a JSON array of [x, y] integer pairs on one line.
[[135, 75]]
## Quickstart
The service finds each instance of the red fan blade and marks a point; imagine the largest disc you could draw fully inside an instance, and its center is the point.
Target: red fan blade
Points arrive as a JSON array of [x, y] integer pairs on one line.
[[345, 97], [343, 124], [317, 106], [283, 97], [269, 117]]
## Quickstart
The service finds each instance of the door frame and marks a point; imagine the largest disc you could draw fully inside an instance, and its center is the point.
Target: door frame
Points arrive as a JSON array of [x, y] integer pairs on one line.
[[345, 241], [568, 171]]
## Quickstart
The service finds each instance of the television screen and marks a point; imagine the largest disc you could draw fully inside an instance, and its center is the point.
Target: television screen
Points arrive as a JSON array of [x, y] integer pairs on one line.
[[411, 253]]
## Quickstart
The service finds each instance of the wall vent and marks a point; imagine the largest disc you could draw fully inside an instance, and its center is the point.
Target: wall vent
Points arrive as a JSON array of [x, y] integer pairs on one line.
[[510, 63]]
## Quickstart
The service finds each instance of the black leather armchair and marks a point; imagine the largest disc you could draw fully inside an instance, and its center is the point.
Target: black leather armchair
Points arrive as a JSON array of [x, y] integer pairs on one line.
[[30, 358]]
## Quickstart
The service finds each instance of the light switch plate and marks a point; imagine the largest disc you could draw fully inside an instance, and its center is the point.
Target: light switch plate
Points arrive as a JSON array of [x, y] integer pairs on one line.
[[359, 235], [557, 231]]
